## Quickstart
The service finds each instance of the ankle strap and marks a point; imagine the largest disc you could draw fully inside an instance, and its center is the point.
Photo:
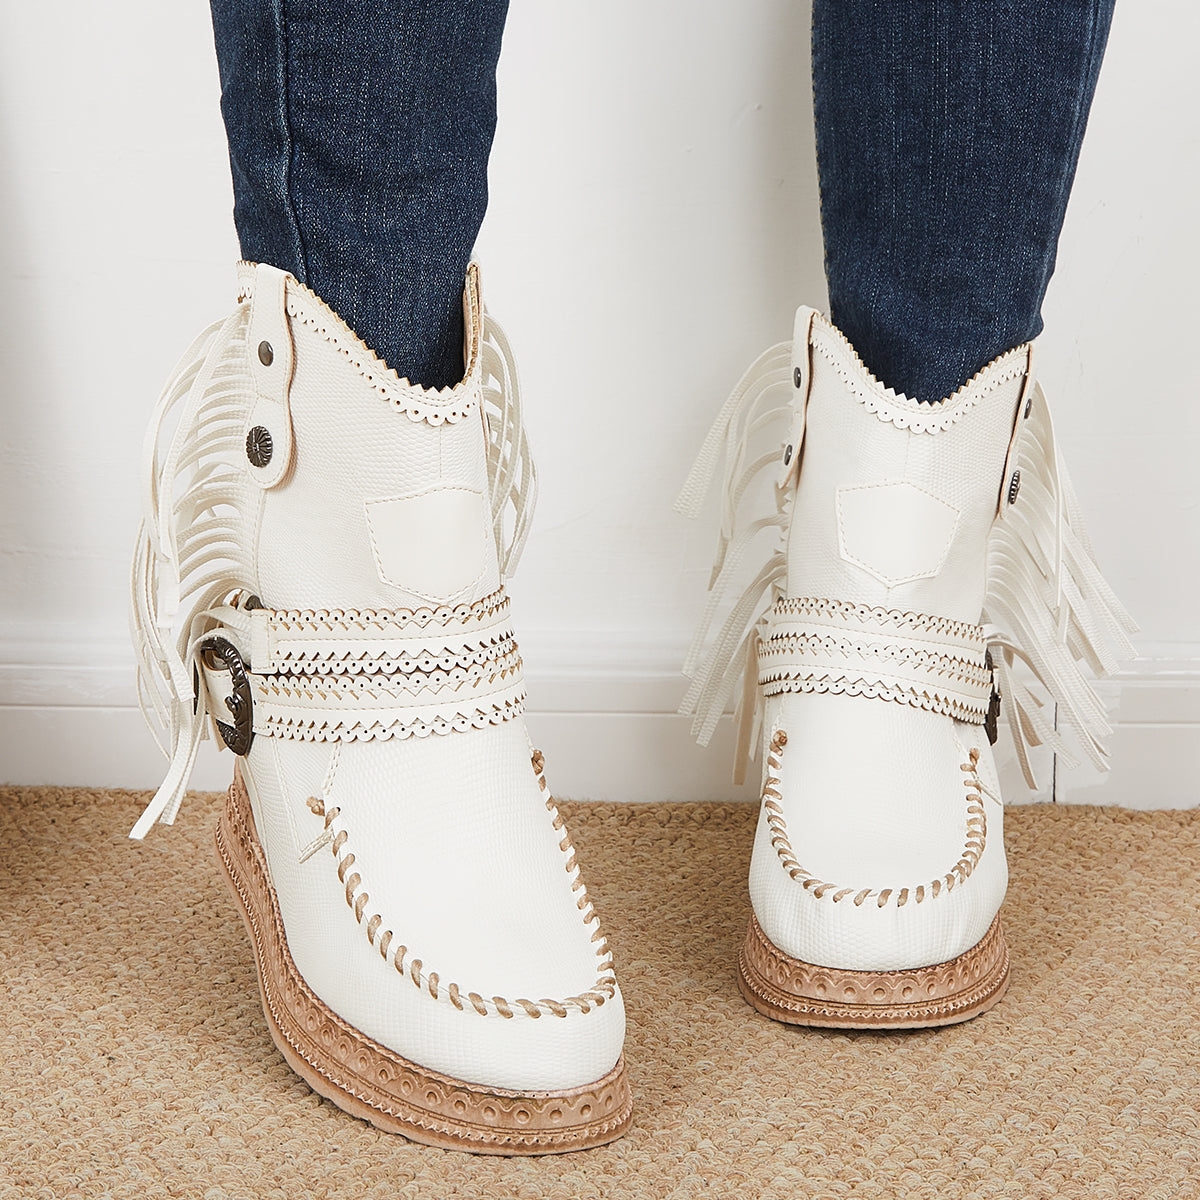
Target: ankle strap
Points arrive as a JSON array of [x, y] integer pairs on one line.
[[929, 662]]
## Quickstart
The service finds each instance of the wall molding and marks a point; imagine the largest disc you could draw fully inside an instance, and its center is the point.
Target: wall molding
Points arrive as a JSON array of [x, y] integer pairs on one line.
[[602, 709]]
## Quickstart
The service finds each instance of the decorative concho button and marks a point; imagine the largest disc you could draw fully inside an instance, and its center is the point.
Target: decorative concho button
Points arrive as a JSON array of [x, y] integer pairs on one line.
[[266, 355], [1014, 486], [259, 446], [787, 454], [797, 376], [220, 654]]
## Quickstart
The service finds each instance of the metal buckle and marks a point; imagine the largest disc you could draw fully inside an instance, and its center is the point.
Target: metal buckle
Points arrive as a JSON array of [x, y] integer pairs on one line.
[[991, 723], [220, 654]]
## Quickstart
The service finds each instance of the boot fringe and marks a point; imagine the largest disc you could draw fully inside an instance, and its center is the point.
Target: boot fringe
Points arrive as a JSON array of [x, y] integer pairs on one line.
[[1048, 608], [757, 407], [190, 558], [510, 462]]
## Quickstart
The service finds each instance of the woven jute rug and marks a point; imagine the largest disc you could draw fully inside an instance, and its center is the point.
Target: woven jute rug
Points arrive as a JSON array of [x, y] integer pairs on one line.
[[136, 1062]]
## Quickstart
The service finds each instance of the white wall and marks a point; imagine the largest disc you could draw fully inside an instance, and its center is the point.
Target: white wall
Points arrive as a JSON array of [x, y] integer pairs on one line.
[[653, 225]]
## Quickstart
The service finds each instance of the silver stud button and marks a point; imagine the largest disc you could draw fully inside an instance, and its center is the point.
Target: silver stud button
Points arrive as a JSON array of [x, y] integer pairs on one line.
[[266, 355]]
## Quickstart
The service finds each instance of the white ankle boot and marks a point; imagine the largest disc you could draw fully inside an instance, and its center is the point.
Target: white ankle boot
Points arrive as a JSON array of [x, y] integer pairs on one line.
[[923, 550], [324, 537]]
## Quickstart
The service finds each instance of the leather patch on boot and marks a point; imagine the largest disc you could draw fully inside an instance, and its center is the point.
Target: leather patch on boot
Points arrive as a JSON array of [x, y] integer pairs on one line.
[[897, 532], [432, 544]]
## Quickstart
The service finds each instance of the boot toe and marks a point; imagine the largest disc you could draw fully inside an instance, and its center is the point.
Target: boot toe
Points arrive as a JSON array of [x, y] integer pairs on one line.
[[880, 840], [430, 958]]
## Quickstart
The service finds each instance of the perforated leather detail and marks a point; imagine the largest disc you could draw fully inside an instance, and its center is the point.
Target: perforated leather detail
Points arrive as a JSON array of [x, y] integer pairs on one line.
[[844, 649], [353, 683], [897, 409]]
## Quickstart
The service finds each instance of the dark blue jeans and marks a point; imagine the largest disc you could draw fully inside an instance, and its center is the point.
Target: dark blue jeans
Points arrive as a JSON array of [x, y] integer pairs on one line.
[[359, 135], [947, 137]]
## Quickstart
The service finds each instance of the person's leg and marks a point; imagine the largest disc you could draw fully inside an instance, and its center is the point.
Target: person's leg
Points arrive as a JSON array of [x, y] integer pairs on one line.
[[359, 137], [932, 571], [328, 543], [948, 132]]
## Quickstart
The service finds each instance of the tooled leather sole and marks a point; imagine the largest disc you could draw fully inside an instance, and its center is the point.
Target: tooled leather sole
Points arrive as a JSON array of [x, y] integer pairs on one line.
[[370, 1081], [800, 993]]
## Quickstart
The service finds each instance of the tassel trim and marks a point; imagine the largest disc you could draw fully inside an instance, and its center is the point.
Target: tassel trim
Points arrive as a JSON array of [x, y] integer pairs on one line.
[[1050, 618], [192, 555]]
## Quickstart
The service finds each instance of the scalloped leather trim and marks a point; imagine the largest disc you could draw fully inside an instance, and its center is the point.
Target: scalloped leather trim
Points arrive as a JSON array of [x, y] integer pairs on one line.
[[805, 606], [474, 659], [386, 679], [350, 620], [775, 684], [434, 406], [900, 410], [307, 729], [818, 645], [799, 993], [792, 646], [370, 1081]]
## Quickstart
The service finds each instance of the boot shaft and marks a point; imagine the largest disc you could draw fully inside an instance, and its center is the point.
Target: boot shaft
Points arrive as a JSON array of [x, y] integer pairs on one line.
[[375, 491], [895, 499]]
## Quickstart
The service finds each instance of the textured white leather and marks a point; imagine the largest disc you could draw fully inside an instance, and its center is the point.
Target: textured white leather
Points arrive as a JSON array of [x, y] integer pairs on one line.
[[465, 868], [875, 523], [269, 340], [861, 436], [429, 891], [438, 571], [810, 645], [352, 446], [880, 841], [873, 790], [874, 798]]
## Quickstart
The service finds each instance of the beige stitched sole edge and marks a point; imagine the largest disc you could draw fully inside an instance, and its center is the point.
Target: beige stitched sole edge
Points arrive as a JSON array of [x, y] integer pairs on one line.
[[800, 993], [370, 1081]]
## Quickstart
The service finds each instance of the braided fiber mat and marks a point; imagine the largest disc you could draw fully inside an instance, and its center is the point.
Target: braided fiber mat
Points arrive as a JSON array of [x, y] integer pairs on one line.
[[135, 1062]]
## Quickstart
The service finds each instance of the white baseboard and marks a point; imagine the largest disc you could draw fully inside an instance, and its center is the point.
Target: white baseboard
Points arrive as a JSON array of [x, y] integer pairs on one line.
[[609, 732]]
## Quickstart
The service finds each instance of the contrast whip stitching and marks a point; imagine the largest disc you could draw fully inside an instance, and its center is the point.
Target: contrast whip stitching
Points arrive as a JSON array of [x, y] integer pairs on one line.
[[365, 674], [972, 851], [388, 677], [191, 555], [822, 646], [951, 665], [445, 668], [414, 969]]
